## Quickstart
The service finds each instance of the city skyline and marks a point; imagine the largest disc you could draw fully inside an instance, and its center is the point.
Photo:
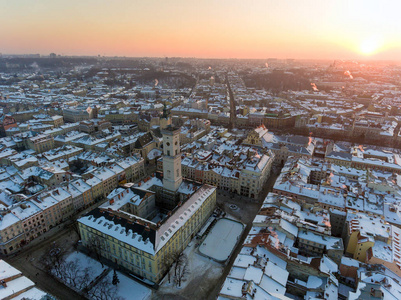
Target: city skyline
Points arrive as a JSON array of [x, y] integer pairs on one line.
[[227, 29], [200, 149]]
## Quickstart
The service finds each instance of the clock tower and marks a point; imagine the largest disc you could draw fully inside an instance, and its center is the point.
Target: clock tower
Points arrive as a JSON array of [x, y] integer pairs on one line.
[[171, 159]]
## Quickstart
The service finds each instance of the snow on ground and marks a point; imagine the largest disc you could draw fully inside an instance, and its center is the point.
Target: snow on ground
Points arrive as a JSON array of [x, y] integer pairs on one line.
[[222, 239], [200, 270], [127, 288], [86, 262], [231, 217]]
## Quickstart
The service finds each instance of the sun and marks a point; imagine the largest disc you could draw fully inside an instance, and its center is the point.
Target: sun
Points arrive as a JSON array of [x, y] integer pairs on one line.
[[370, 46]]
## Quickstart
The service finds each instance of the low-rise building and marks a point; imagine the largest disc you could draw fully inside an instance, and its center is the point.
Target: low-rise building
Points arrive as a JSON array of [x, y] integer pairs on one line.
[[77, 114], [41, 143], [240, 170], [94, 125], [63, 152]]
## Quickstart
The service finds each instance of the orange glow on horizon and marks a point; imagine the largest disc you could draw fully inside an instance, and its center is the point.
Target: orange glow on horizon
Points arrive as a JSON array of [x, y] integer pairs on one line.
[[339, 29]]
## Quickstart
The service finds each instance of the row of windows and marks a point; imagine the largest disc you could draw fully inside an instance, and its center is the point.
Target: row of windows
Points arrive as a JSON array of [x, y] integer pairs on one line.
[[178, 241], [114, 241]]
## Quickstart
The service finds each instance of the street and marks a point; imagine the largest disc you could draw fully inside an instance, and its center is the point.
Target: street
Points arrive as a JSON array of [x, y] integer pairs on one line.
[[245, 212], [28, 263], [247, 207], [27, 260]]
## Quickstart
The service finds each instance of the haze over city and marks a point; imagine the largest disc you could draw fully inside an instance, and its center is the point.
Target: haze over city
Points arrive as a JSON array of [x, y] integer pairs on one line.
[[200, 150], [359, 29]]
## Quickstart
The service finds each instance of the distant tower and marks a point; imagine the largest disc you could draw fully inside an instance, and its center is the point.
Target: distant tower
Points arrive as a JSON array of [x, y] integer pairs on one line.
[[95, 110], [171, 159], [165, 120], [165, 111], [212, 81]]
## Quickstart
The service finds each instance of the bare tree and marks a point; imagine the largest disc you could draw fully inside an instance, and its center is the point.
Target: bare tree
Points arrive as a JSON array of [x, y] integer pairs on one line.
[[179, 260], [177, 267], [104, 290], [71, 272], [168, 263], [53, 260], [82, 278], [181, 269]]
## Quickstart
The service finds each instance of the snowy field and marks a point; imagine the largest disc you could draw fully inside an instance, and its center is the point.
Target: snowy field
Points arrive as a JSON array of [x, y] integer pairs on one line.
[[221, 240], [127, 288]]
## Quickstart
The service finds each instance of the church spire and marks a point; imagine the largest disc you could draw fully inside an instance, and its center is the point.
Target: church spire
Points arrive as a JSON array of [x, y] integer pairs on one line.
[[165, 111]]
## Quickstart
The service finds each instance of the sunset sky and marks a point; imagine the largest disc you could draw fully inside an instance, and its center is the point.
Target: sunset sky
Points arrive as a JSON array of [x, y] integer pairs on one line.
[[323, 29]]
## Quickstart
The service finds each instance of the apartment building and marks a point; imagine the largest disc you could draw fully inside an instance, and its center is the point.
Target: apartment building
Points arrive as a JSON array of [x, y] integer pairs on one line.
[[365, 231], [94, 125], [244, 173], [40, 143], [79, 113]]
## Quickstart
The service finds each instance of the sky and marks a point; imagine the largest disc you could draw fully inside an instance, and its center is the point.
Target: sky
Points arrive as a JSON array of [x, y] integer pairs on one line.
[[300, 29]]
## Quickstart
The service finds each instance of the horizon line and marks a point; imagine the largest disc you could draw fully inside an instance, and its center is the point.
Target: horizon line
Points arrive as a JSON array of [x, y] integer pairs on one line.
[[2, 55]]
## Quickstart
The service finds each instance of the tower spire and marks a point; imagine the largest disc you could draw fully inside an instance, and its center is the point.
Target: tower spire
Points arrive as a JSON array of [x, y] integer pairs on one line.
[[165, 111]]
